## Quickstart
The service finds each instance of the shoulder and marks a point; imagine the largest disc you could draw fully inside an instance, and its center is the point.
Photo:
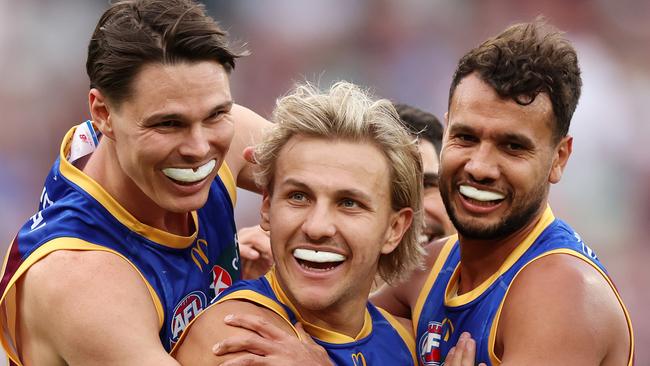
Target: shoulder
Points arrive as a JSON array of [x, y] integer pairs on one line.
[[209, 328], [560, 303], [66, 299]]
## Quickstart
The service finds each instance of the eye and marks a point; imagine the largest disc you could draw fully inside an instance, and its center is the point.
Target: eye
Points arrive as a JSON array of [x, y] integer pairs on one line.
[[297, 196], [514, 147], [466, 137], [167, 124], [349, 203]]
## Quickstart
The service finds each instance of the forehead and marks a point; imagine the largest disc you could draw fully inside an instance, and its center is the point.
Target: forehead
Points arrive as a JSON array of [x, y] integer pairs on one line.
[[476, 104], [333, 165], [428, 155], [184, 85]]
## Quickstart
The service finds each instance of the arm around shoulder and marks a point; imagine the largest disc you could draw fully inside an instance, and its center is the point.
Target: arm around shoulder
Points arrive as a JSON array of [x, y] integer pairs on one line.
[[562, 311], [87, 308], [209, 329]]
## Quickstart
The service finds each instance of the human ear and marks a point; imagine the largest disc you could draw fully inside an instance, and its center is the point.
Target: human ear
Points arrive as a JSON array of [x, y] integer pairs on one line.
[[100, 112], [560, 159], [399, 223]]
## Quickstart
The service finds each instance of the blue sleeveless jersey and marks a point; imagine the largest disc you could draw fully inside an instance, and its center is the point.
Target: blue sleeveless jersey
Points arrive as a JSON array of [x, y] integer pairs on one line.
[[382, 341], [183, 274], [440, 316]]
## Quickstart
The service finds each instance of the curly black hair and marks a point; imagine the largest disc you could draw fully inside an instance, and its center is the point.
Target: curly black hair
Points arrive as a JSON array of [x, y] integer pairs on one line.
[[524, 60]]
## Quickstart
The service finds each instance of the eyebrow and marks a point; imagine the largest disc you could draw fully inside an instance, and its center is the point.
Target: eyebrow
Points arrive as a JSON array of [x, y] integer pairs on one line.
[[524, 140], [165, 116]]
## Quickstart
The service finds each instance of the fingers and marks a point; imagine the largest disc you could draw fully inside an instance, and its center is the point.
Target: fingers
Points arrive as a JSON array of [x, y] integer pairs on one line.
[[251, 343], [464, 353], [254, 242], [256, 324], [249, 154], [304, 336]]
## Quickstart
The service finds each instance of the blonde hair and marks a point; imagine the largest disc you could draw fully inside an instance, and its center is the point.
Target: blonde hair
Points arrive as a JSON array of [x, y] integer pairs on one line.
[[346, 112]]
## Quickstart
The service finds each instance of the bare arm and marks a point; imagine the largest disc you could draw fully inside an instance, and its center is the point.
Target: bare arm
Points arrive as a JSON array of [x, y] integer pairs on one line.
[[400, 299], [87, 308], [210, 329], [249, 130], [561, 311]]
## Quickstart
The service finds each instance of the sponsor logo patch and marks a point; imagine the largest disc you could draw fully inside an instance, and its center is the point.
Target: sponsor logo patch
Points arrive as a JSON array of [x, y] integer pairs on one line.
[[186, 310]]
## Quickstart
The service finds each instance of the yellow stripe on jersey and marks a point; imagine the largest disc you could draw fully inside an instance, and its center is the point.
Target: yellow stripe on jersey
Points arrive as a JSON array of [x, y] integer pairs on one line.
[[322, 334], [406, 334], [435, 270], [8, 299], [493, 329], [452, 299], [120, 213], [229, 181]]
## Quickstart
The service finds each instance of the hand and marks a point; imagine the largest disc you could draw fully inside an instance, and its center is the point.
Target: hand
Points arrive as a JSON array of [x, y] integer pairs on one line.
[[249, 154], [464, 353], [272, 347], [255, 251]]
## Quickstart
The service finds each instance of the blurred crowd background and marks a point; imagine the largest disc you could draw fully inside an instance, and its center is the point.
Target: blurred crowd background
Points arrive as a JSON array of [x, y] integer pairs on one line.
[[402, 50]]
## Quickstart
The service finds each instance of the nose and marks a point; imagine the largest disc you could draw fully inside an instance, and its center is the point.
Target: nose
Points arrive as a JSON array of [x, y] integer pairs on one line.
[[195, 144], [482, 165], [319, 223]]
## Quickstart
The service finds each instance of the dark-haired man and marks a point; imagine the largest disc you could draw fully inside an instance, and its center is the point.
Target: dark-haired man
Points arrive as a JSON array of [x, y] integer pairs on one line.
[[428, 129], [135, 232], [522, 282]]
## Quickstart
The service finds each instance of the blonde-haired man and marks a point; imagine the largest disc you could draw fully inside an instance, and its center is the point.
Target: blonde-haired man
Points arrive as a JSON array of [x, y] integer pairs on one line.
[[342, 181]]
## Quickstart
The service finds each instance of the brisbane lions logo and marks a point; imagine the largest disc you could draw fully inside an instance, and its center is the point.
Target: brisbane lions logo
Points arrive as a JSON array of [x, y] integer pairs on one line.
[[429, 343]]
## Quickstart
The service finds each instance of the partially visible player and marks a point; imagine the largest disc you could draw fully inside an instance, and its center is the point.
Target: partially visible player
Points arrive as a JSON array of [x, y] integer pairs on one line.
[[134, 234], [428, 129], [523, 282], [343, 185]]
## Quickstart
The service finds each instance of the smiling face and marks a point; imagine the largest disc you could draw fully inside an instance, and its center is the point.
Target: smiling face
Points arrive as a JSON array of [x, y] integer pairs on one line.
[[172, 135], [497, 161], [330, 219]]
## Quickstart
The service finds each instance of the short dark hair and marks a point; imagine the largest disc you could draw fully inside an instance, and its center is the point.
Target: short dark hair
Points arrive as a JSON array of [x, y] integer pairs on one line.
[[421, 124], [133, 33], [524, 60]]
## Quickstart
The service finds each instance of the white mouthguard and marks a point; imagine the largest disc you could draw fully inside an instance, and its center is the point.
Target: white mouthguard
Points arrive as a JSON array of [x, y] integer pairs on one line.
[[318, 256], [189, 175], [480, 195]]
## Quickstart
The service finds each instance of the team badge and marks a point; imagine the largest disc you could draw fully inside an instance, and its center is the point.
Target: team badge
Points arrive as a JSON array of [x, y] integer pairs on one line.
[[186, 310], [429, 343]]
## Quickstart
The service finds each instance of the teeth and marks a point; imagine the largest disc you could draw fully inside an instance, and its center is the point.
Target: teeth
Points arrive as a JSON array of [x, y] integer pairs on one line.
[[480, 195], [318, 256], [189, 175]]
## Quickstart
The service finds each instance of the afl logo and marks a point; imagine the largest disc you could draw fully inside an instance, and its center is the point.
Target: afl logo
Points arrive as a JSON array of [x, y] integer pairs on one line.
[[221, 280], [186, 310]]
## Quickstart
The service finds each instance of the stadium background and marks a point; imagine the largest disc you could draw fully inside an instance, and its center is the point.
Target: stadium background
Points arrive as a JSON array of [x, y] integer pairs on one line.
[[403, 50]]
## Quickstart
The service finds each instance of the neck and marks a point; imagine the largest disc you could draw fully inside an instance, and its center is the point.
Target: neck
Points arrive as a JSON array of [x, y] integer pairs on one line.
[[480, 259], [346, 316], [103, 167]]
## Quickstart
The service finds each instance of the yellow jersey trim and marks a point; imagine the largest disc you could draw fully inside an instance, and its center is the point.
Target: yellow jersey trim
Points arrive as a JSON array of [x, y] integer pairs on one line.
[[93, 188], [64, 243], [241, 295], [322, 334], [229, 181], [493, 329], [406, 335], [454, 300], [433, 275]]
